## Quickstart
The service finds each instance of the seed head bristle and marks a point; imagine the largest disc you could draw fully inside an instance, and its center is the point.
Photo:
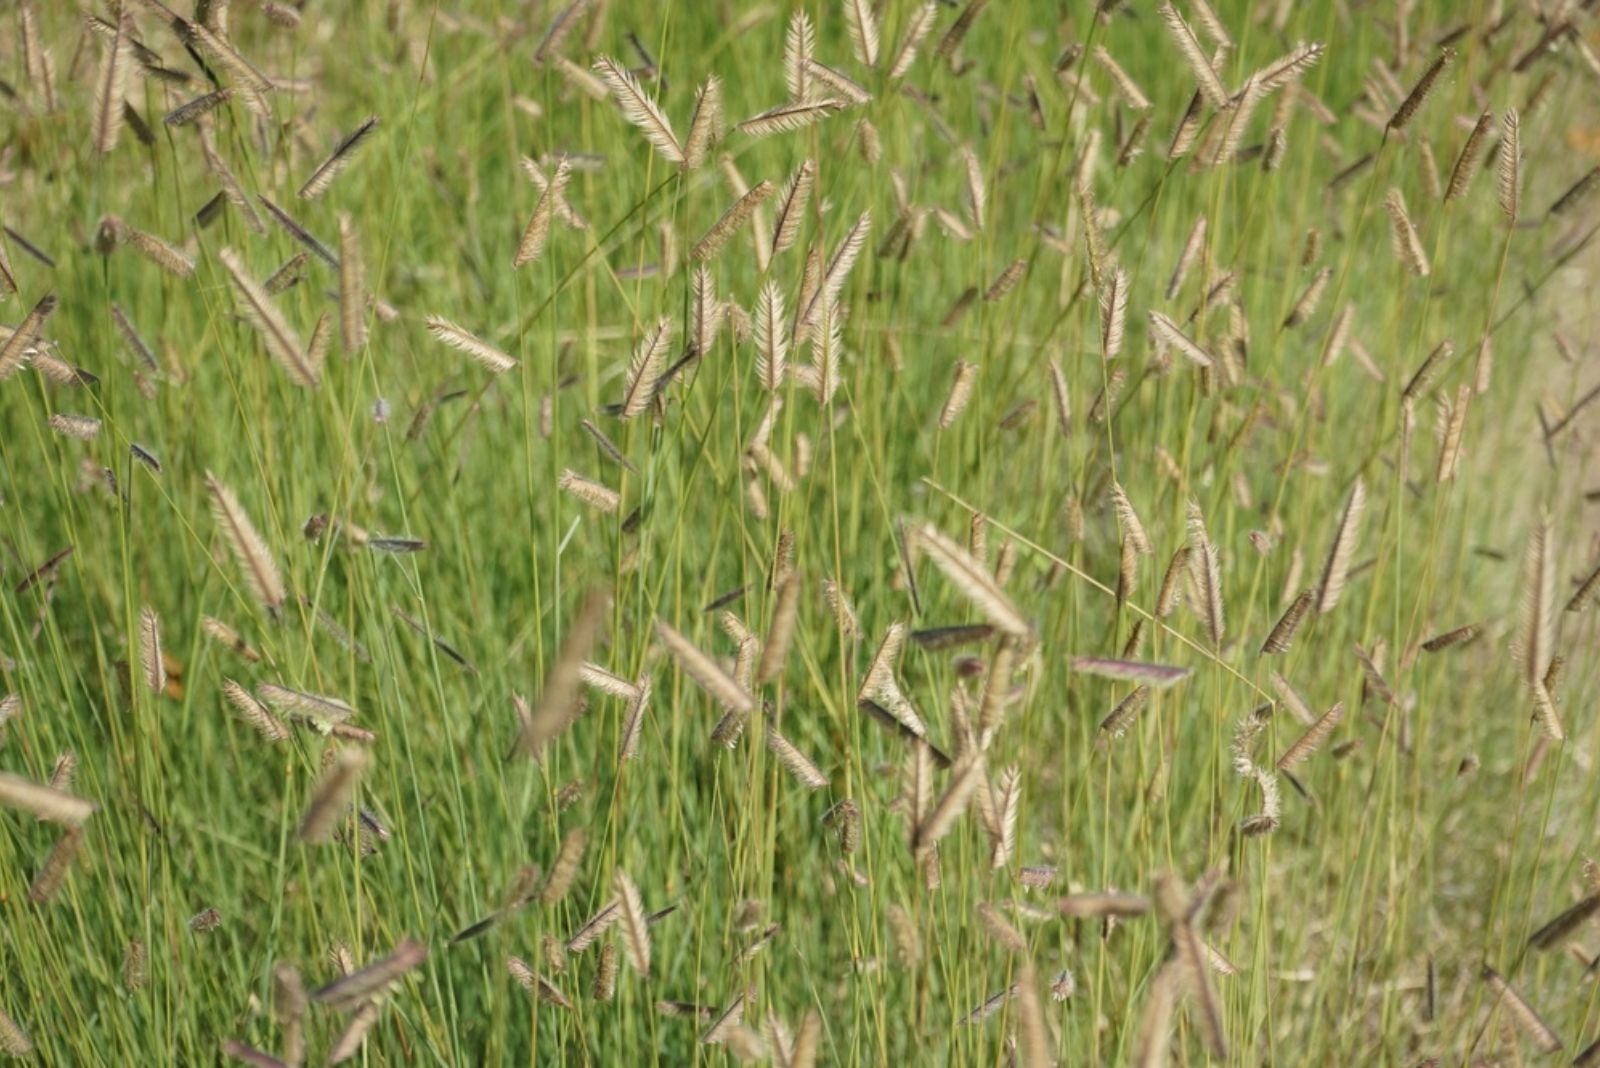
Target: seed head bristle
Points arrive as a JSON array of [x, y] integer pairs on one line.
[[644, 373], [1510, 163], [1419, 92], [974, 581], [450, 334], [639, 108], [635, 926], [249, 548], [1341, 552], [340, 158], [1523, 1015], [1466, 163], [1282, 634], [1210, 85], [916, 31]]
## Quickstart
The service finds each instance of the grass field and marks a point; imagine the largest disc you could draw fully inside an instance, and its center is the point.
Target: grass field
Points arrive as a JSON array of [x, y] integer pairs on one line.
[[1052, 540]]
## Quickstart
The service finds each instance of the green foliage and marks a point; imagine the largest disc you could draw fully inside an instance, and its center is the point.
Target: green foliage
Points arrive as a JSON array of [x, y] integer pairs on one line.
[[1427, 836]]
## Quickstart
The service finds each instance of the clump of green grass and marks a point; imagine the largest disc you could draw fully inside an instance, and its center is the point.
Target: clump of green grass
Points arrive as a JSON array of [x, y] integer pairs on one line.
[[843, 534]]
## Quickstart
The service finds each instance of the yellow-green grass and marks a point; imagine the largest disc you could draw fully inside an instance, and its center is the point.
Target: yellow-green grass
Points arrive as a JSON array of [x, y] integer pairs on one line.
[[1433, 834]]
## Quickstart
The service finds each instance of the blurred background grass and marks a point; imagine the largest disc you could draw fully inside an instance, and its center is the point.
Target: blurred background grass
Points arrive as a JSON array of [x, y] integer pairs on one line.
[[1394, 856]]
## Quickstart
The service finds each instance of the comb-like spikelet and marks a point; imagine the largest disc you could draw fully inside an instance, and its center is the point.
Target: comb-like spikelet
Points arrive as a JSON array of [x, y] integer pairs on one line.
[[1306, 306], [597, 677], [254, 713], [249, 548], [1452, 424], [561, 27], [565, 868], [319, 707], [449, 333], [964, 780], [802, 767], [351, 990], [1062, 399], [1560, 929], [1585, 590], [16, 349], [1192, 248], [1419, 92], [1577, 192], [639, 109], [724, 228], [193, 110], [1466, 163], [232, 191], [54, 869], [1205, 74], [1538, 604], [787, 118], [537, 232], [998, 928], [1314, 736], [595, 926], [111, 88], [977, 190], [916, 32], [280, 339], [771, 338], [1207, 569], [1526, 1018], [1336, 567], [832, 282], [800, 41], [705, 126], [1132, 95], [973, 580], [596, 495], [340, 158], [1116, 723], [1407, 245], [352, 288], [1006, 280], [862, 24], [1288, 69], [225, 635], [1128, 519], [635, 927], [792, 207], [1170, 333], [348, 1042], [253, 84], [1282, 634], [1458, 636], [950, 43], [961, 386], [635, 722], [82, 427], [1158, 676], [775, 653], [707, 313], [13, 1039], [1113, 314], [164, 255], [1154, 1033], [705, 672], [155, 671], [1510, 163]]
